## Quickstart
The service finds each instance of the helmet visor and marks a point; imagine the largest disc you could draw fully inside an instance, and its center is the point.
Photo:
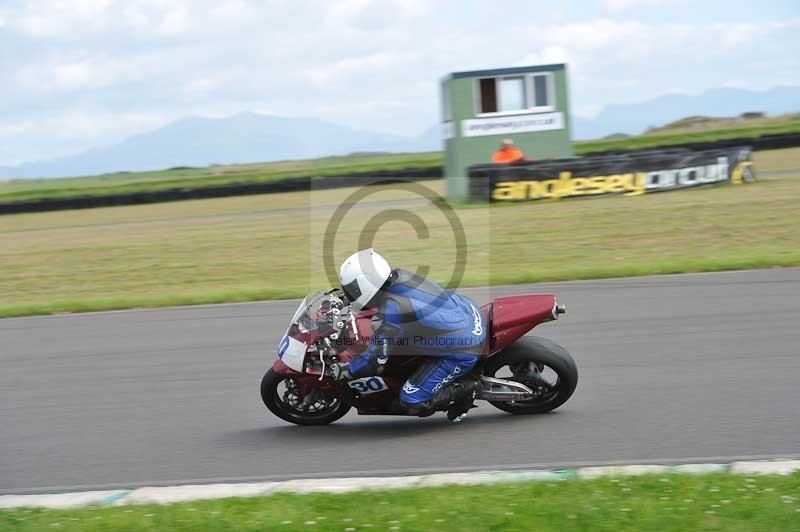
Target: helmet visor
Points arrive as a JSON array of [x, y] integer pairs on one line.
[[352, 290]]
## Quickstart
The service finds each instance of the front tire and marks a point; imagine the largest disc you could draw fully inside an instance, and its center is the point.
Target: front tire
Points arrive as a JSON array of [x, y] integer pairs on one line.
[[285, 404], [543, 353]]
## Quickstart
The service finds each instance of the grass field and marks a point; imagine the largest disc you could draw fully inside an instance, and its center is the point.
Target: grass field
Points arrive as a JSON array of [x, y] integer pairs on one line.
[[269, 246], [653, 502], [127, 182]]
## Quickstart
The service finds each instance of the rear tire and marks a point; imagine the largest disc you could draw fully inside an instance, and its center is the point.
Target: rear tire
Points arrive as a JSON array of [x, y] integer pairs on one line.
[[273, 400], [541, 351]]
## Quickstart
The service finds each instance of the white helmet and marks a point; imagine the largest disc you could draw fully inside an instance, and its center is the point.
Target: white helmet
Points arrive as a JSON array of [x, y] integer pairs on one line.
[[362, 275]]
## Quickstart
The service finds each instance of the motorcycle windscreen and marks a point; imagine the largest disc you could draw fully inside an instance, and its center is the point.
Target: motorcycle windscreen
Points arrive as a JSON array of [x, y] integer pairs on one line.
[[292, 352], [301, 309]]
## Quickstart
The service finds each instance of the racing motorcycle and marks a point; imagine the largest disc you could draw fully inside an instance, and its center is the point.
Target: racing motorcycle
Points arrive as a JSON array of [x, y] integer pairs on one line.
[[516, 373]]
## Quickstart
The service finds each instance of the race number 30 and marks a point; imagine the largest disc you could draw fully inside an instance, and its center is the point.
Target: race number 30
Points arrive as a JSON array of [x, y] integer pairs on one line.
[[368, 385]]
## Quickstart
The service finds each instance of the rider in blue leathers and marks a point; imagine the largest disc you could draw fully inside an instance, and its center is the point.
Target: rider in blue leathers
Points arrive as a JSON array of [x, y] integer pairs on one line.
[[415, 315]]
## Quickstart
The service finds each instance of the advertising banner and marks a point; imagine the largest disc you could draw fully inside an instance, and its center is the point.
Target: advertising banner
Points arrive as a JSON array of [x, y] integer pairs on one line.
[[629, 174], [509, 124]]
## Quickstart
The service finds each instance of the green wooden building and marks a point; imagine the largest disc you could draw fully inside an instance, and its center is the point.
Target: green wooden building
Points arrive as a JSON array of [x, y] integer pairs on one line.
[[481, 108]]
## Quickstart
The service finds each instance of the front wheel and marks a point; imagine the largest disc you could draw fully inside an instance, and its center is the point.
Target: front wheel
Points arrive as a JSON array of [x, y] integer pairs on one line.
[[281, 395], [542, 365]]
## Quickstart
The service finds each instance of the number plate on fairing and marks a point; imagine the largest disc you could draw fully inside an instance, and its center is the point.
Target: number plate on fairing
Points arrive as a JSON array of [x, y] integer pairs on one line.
[[368, 385], [292, 352]]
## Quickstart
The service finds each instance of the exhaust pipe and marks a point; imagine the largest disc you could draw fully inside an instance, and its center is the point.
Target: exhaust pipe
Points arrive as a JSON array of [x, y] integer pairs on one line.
[[558, 310]]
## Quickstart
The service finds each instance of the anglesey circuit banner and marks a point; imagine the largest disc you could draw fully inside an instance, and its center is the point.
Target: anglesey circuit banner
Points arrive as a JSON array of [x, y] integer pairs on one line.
[[630, 174]]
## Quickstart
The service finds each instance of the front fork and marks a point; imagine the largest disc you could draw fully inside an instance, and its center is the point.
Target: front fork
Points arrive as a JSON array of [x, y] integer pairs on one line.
[[310, 389]]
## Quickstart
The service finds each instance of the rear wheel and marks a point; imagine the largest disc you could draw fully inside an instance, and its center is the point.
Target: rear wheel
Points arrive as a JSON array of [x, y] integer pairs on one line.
[[281, 395], [542, 365]]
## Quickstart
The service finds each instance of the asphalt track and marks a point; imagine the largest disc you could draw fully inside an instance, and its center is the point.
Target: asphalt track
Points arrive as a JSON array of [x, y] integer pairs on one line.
[[675, 368]]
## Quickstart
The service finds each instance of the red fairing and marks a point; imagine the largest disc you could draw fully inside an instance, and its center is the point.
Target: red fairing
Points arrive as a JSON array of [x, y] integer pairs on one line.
[[513, 316], [282, 369]]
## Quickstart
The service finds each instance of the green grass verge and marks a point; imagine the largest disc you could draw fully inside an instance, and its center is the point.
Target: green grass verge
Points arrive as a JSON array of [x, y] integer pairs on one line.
[[269, 246], [131, 182], [126, 303], [650, 502]]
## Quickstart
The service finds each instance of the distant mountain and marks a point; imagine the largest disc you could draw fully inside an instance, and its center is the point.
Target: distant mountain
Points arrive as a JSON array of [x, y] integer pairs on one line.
[[252, 137], [637, 117], [241, 138]]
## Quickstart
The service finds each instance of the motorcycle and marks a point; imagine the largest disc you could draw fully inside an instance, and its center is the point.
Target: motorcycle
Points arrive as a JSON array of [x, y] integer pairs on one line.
[[516, 373]]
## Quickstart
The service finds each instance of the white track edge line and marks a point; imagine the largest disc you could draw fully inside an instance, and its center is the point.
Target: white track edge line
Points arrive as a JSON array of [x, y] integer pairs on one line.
[[573, 464], [184, 493]]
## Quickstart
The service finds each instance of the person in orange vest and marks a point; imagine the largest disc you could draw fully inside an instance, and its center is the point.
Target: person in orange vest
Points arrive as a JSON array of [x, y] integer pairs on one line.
[[508, 153]]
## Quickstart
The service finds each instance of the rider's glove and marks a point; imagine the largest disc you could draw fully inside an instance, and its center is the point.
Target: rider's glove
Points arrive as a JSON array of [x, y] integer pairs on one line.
[[338, 372]]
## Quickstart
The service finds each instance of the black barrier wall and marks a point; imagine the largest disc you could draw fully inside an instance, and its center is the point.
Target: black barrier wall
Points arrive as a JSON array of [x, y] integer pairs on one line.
[[765, 142], [235, 189], [630, 174]]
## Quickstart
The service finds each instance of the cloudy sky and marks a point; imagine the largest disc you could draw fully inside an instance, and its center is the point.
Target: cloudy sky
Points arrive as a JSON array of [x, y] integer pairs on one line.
[[83, 73]]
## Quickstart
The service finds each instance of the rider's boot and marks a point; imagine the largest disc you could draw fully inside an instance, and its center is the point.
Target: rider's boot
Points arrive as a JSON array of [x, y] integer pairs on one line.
[[458, 397], [462, 397]]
